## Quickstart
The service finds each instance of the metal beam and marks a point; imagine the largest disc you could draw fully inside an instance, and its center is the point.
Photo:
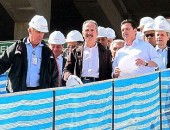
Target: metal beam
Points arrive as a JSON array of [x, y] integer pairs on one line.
[[112, 14], [20, 10], [103, 11]]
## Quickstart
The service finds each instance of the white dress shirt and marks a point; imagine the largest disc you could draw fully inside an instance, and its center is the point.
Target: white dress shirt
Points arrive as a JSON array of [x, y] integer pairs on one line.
[[126, 56], [163, 53], [59, 60], [90, 65], [34, 56]]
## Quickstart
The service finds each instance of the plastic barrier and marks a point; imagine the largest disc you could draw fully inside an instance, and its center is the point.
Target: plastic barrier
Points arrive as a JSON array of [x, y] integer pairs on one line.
[[3, 81], [137, 103], [32, 111], [85, 107], [165, 99], [141, 103]]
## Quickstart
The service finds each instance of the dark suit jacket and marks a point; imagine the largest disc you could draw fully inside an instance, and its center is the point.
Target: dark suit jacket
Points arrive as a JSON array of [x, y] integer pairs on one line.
[[74, 63], [15, 58], [168, 58], [63, 83]]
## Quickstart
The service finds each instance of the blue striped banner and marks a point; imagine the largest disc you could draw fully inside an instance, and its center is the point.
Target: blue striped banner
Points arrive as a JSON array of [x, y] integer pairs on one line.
[[137, 103], [3, 81], [165, 98], [86, 107], [136, 106], [32, 111]]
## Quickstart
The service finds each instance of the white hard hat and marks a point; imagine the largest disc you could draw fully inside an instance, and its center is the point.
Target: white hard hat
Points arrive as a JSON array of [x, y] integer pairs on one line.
[[74, 36], [158, 18], [73, 80], [149, 26], [102, 32], [162, 25], [145, 20], [39, 23], [56, 37], [110, 33]]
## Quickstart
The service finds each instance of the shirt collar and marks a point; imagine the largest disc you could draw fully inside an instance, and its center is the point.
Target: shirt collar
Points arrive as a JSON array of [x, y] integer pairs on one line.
[[135, 42], [85, 46], [59, 57], [29, 43], [157, 48]]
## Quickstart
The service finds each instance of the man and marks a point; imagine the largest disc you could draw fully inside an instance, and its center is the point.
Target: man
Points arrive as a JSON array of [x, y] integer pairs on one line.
[[56, 41], [142, 23], [115, 46], [74, 40], [110, 36], [30, 61], [94, 62], [162, 30], [102, 36], [149, 33], [136, 57]]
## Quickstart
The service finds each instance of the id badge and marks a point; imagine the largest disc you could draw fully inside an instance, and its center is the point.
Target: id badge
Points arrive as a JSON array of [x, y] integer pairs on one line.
[[34, 60]]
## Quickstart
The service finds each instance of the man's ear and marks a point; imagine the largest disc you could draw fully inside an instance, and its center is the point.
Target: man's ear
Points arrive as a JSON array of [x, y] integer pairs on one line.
[[135, 31], [168, 36], [29, 30]]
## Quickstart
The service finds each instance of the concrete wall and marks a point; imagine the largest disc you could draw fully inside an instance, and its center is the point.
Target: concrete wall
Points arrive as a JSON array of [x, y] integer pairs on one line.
[[23, 10]]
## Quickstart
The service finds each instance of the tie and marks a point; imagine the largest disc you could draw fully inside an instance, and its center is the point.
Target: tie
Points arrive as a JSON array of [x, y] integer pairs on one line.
[[59, 78]]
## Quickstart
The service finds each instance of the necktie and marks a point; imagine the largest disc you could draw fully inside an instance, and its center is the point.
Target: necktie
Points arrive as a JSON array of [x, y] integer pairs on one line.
[[59, 78]]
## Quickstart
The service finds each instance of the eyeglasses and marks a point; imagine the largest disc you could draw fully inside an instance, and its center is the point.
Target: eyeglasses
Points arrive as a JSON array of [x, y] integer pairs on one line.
[[151, 35]]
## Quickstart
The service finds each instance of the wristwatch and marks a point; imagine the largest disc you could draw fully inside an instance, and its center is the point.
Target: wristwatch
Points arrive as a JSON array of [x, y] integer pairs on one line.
[[146, 63]]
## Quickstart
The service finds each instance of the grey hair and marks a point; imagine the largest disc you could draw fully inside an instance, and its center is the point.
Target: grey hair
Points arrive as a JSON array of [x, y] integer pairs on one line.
[[116, 41], [90, 21]]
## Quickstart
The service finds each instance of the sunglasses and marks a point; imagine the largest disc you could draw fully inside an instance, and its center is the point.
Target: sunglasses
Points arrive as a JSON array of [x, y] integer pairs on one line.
[[151, 35]]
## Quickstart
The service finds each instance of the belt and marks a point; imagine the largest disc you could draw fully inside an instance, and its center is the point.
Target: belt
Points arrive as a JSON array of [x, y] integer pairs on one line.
[[32, 88], [90, 78]]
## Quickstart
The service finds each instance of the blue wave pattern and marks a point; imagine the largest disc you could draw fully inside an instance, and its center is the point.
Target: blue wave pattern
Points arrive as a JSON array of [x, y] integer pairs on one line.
[[3, 81], [137, 103], [165, 98], [125, 104], [32, 111], [84, 108]]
